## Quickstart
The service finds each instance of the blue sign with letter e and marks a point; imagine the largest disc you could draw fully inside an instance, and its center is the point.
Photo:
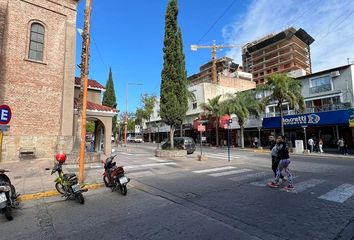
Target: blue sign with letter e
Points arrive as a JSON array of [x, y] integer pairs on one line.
[[5, 114]]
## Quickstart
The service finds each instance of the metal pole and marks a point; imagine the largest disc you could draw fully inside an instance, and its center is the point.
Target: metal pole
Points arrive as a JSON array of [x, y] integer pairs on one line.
[[228, 143], [213, 54], [201, 137], [126, 115], [1, 137], [84, 78], [158, 137], [305, 138], [259, 137]]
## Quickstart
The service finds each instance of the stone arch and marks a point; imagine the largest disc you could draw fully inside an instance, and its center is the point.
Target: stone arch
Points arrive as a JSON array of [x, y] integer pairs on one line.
[[102, 134]]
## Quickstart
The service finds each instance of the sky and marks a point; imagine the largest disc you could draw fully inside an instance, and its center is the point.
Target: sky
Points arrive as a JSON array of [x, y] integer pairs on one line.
[[128, 36]]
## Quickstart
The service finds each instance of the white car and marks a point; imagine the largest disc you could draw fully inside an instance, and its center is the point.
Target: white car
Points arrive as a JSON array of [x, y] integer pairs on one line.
[[138, 139]]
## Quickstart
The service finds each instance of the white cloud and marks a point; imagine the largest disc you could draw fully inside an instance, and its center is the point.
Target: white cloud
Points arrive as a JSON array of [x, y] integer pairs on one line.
[[329, 22]]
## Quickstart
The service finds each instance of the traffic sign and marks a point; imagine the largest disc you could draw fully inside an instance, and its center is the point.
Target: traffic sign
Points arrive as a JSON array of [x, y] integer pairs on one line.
[[201, 128], [5, 114]]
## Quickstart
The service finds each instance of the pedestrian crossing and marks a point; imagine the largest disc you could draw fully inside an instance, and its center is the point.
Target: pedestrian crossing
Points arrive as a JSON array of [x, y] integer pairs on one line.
[[338, 194], [221, 156]]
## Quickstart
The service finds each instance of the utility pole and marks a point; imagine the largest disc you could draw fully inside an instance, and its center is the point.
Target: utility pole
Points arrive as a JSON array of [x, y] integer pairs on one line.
[[84, 82], [213, 47]]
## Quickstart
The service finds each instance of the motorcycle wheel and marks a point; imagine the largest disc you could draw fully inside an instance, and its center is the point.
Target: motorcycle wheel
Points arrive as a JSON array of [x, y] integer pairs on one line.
[[60, 188], [80, 198], [8, 214], [123, 190], [105, 180]]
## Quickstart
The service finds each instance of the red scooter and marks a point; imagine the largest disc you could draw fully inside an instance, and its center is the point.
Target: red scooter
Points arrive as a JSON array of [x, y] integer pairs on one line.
[[114, 177]]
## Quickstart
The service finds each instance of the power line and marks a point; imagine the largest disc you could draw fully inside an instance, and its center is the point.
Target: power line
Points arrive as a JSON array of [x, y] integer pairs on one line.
[[99, 53]]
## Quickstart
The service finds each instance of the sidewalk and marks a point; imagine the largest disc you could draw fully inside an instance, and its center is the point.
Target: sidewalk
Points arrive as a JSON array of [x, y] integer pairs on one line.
[[34, 176]]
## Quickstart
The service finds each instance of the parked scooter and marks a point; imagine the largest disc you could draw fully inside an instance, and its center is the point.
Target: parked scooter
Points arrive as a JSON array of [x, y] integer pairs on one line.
[[67, 184], [8, 196], [114, 177]]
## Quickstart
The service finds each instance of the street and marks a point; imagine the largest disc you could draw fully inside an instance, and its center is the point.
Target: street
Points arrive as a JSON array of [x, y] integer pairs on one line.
[[212, 199]]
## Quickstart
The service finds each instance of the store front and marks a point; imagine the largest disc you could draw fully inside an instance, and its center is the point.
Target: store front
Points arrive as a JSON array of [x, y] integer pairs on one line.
[[328, 126]]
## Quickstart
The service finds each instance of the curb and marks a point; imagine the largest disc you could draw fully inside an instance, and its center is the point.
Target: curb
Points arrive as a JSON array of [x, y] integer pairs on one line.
[[51, 193]]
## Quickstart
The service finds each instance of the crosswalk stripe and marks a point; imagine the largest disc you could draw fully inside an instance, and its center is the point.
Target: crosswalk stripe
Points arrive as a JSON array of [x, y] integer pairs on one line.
[[339, 194], [157, 160], [214, 169], [249, 176], [220, 156], [302, 186], [149, 165], [230, 172]]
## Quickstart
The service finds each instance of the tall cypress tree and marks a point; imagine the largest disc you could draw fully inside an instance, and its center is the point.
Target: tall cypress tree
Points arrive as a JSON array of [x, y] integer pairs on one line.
[[173, 93], [109, 98]]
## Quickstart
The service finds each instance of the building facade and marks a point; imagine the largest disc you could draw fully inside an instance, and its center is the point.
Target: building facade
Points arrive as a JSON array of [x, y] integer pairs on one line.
[[229, 81], [286, 51], [37, 66], [328, 97]]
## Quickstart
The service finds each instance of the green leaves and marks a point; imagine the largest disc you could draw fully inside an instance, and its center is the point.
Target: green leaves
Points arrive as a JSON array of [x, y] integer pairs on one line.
[[173, 92], [109, 98]]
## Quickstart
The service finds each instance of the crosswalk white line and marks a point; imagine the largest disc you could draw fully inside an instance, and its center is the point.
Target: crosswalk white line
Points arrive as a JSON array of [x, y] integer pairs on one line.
[[220, 156], [339, 194], [250, 176], [302, 186], [214, 169], [149, 165], [230, 172], [157, 159]]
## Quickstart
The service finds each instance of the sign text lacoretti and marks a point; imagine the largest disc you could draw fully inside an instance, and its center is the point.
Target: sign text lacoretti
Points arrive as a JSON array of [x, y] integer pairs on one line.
[[302, 120]]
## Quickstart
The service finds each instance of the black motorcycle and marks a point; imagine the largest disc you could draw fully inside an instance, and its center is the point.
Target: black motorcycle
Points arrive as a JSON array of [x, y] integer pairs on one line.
[[8, 196], [114, 177]]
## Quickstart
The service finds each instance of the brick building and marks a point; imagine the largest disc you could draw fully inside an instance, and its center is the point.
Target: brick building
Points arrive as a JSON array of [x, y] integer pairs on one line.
[[286, 51], [37, 67]]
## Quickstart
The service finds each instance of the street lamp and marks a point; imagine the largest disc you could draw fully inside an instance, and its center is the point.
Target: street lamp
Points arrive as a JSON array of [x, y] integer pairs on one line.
[[126, 109]]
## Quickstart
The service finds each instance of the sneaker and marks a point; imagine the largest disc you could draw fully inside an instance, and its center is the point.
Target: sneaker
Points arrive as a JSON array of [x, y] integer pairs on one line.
[[289, 187], [273, 184], [284, 180]]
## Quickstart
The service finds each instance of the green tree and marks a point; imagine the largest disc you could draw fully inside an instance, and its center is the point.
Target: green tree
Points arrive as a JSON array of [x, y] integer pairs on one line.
[[148, 102], [243, 104], [139, 116], [90, 127], [283, 89], [109, 99], [173, 93], [214, 107]]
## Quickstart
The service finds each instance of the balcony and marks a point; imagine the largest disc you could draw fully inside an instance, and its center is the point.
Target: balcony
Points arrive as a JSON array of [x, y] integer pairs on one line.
[[324, 108]]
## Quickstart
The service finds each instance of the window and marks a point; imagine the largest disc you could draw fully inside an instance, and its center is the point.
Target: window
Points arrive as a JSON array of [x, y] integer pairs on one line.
[[36, 44], [194, 105], [321, 84]]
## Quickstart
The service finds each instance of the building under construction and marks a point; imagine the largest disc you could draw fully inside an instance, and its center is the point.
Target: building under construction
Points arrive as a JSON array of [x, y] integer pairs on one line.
[[287, 51]]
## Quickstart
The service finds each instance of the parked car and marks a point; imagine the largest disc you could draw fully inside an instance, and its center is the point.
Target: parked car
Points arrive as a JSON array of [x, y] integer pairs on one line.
[[131, 139], [138, 139], [185, 143]]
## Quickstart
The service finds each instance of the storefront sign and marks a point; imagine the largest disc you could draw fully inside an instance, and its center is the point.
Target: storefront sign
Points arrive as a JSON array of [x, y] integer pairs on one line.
[[340, 117], [351, 117]]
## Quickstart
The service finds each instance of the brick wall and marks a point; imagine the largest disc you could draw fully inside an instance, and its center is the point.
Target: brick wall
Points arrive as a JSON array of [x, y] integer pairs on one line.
[[38, 93]]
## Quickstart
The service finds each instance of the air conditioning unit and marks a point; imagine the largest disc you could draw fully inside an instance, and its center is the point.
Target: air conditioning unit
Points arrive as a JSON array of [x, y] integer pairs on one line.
[[335, 74]]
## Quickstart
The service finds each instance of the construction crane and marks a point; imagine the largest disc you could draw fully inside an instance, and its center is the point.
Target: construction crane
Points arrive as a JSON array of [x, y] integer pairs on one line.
[[213, 47]]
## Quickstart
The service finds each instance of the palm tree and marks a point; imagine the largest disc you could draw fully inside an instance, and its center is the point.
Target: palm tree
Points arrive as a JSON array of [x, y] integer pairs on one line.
[[283, 89], [214, 108], [243, 104]]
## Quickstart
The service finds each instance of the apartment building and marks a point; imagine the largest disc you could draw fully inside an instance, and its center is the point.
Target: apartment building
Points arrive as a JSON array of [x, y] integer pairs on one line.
[[286, 51]]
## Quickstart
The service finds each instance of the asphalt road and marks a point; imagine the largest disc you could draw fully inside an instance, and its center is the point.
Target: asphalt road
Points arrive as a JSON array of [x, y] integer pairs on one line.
[[213, 199]]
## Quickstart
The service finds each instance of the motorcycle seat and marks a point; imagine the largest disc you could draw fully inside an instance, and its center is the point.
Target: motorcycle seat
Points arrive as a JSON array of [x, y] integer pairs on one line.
[[69, 175]]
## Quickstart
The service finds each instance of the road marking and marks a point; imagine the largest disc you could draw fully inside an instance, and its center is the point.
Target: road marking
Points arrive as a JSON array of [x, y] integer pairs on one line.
[[149, 165], [339, 194], [157, 160], [302, 186], [230, 172], [220, 156], [214, 169], [250, 176]]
